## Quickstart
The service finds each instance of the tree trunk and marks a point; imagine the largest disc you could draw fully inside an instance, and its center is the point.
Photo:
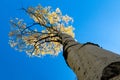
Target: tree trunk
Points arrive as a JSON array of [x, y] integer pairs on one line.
[[89, 61]]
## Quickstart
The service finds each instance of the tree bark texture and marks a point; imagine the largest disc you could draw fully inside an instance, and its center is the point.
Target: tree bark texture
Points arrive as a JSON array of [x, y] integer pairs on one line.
[[89, 61]]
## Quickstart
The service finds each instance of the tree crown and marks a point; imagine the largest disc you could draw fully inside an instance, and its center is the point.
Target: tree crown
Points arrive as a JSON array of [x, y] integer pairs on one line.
[[41, 37]]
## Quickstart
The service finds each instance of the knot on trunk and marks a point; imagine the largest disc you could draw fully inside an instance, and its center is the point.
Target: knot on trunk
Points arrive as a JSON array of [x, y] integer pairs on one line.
[[111, 71]]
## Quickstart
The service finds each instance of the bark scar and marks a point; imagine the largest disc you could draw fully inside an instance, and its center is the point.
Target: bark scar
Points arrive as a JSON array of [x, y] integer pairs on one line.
[[111, 71]]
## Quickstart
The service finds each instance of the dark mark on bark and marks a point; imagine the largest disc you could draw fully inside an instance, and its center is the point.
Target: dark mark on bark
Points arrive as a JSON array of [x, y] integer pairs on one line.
[[111, 71], [78, 68]]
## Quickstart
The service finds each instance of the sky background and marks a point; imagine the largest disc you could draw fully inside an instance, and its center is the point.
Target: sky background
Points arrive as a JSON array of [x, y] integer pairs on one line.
[[96, 21]]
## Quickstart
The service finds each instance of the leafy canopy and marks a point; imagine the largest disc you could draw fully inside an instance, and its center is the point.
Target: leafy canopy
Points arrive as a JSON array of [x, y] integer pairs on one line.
[[41, 37]]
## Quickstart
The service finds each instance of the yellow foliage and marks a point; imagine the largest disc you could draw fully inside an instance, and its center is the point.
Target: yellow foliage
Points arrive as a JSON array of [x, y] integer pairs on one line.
[[53, 18], [46, 18]]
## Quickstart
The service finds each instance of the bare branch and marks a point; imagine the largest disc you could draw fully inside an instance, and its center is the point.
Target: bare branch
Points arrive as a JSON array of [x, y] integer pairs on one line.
[[29, 26], [42, 19]]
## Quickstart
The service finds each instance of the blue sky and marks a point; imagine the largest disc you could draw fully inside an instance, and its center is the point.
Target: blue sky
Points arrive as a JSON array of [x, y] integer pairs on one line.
[[96, 21]]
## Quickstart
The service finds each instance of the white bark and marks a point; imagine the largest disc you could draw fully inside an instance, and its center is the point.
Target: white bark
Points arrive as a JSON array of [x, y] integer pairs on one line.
[[89, 61]]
